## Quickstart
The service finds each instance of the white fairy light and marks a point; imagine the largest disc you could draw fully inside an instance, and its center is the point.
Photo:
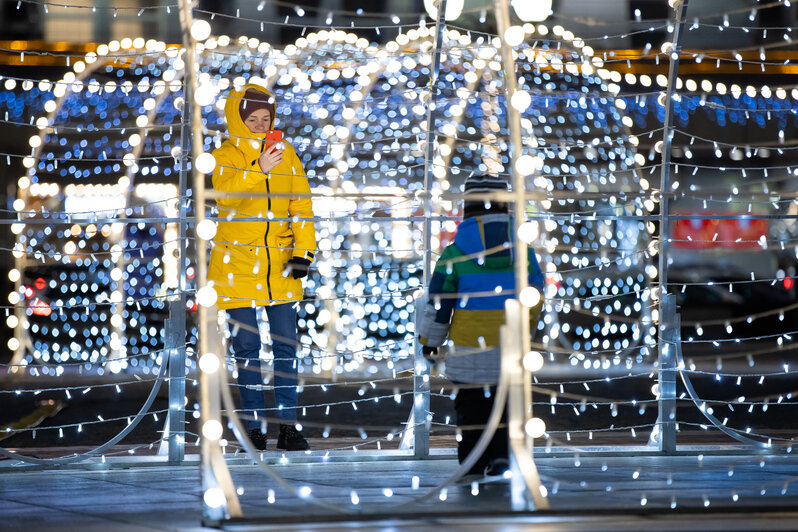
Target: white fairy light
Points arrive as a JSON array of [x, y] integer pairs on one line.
[[529, 296], [532, 10], [209, 363], [528, 232], [453, 9], [533, 361], [214, 498], [535, 427], [526, 164], [200, 30], [206, 296], [205, 94], [514, 35], [521, 100], [212, 429], [205, 163], [206, 229]]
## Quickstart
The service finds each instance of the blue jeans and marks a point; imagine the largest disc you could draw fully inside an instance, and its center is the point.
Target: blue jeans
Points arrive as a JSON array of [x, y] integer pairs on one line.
[[246, 348]]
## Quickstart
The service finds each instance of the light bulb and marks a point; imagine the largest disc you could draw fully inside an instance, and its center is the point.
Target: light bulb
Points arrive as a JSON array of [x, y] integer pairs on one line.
[[209, 363], [206, 229], [529, 296], [205, 94], [206, 296], [453, 9], [528, 232], [212, 429], [533, 361], [514, 35], [535, 427], [521, 100], [214, 498], [200, 30], [206, 163], [525, 165], [532, 10]]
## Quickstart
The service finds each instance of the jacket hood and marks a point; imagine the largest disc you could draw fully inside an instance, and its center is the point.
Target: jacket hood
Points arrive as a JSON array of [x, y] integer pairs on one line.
[[235, 124], [489, 232]]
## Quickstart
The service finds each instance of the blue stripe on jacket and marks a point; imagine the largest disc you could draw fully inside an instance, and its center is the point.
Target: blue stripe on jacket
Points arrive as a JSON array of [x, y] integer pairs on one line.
[[482, 282]]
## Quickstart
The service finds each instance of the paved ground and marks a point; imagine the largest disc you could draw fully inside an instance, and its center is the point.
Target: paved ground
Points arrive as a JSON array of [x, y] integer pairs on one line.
[[619, 493]]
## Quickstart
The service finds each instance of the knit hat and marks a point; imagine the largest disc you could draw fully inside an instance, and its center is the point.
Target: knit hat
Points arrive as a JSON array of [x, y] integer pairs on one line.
[[252, 101], [479, 185]]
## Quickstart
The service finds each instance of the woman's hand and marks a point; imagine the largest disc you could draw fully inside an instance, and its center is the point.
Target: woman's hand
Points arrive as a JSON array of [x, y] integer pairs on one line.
[[269, 158]]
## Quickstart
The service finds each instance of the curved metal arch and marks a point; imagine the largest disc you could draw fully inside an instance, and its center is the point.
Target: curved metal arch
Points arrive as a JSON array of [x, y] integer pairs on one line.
[[20, 263], [130, 173], [143, 411], [645, 312], [697, 400]]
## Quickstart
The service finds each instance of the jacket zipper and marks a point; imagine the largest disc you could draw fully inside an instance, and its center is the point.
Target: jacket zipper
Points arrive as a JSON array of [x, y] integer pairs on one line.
[[266, 241]]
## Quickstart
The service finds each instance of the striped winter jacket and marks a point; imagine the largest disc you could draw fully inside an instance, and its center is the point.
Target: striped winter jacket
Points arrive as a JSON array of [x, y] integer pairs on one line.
[[472, 279]]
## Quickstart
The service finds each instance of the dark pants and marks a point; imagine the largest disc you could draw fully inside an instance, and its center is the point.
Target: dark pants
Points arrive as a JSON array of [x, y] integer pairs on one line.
[[246, 347], [473, 408]]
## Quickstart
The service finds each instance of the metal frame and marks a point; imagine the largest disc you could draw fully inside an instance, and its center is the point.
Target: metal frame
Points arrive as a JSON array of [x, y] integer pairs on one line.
[[174, 354], [666, 439], [175, 328], [418, 421], [525, 481]]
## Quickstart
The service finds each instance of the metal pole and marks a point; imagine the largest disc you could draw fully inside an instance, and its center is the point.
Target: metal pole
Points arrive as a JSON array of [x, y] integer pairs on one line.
[[525, 492], [421, 389], [514, 124], [519, 398], [667, 306], [177, 313], [214, 476]]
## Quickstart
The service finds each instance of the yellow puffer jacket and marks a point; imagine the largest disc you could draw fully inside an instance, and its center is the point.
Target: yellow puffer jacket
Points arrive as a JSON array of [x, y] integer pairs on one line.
[[248, 258]]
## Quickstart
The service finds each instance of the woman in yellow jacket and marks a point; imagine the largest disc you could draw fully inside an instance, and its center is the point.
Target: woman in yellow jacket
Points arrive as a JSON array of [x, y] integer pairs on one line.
[[260, 262]]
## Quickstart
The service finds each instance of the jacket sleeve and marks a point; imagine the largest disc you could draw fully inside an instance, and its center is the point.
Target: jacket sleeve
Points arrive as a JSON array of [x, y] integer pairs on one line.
[[536, 277], [435, 315], [304, 230], [233, 174]]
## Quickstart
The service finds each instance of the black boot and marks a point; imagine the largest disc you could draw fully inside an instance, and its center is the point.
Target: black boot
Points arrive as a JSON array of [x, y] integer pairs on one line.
[[290, 439], [497, 469], [258, 439]]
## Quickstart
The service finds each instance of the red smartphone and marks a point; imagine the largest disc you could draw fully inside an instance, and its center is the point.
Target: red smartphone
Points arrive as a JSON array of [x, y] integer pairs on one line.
[[272, 136]]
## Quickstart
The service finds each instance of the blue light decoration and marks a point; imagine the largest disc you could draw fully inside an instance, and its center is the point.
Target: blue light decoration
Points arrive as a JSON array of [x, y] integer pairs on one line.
[[98, 284]]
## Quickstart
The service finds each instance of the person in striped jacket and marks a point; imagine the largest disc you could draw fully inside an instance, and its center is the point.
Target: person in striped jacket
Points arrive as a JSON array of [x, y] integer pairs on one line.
[[473, 278]]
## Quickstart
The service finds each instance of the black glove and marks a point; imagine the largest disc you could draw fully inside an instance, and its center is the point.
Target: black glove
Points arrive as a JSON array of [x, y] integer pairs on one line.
[[429, 353], [297, 267]]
